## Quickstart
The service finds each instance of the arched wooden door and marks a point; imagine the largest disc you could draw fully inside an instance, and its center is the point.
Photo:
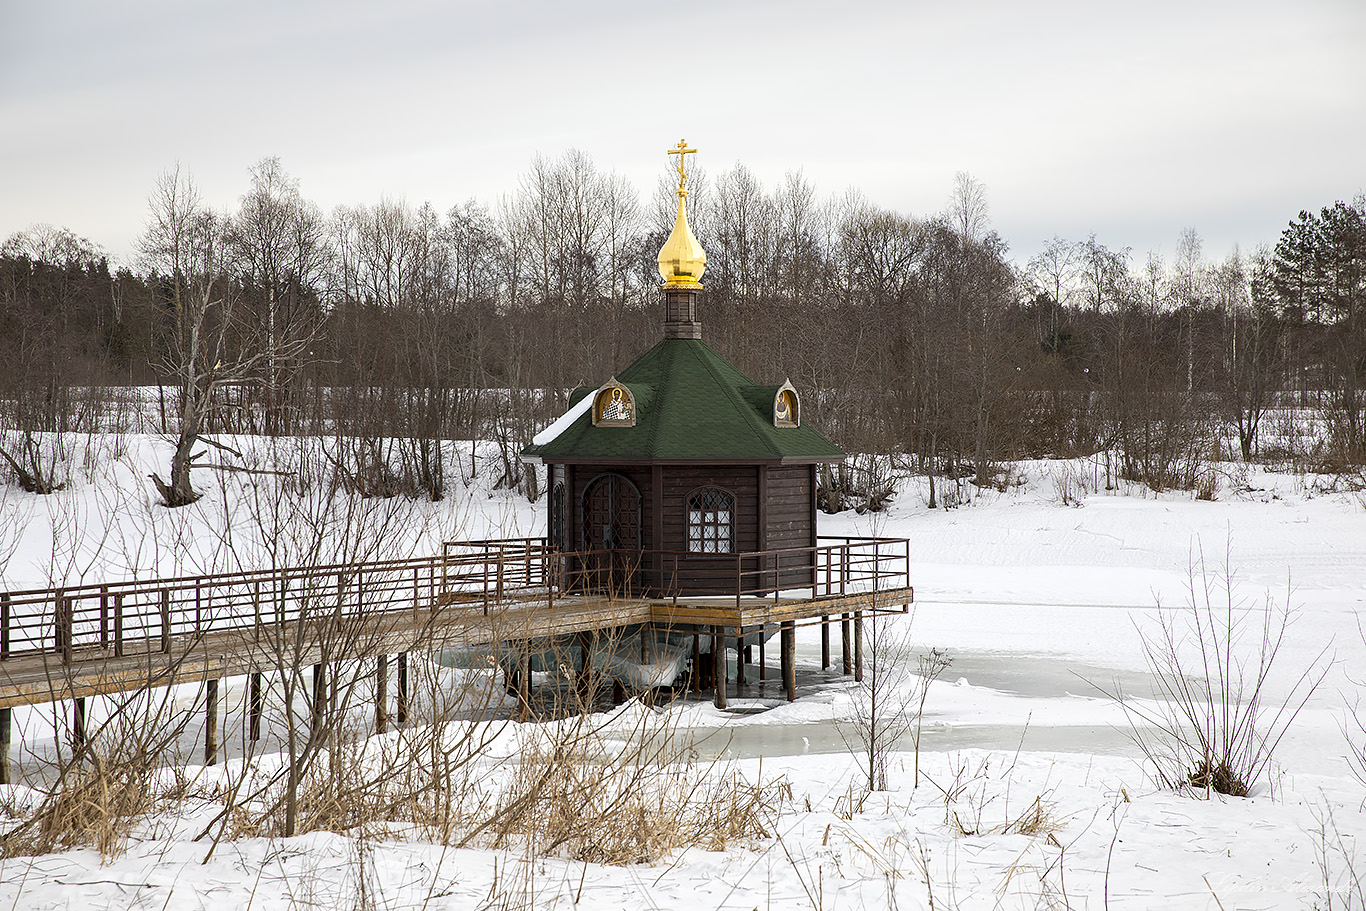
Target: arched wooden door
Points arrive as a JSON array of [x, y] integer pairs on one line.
[[611, 534]]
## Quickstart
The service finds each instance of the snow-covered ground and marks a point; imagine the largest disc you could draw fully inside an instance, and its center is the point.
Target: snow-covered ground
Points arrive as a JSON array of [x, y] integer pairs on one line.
[[1039, 604]]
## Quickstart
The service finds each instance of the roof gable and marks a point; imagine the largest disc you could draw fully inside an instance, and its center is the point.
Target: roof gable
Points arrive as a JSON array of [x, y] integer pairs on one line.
[[692, 405]]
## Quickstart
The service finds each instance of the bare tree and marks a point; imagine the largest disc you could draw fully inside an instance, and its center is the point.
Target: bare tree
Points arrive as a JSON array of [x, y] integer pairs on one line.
[[280, 241], [187, 246]]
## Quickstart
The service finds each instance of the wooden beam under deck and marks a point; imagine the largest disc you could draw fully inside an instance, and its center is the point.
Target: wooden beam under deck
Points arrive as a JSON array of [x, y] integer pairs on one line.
[[722, 611]]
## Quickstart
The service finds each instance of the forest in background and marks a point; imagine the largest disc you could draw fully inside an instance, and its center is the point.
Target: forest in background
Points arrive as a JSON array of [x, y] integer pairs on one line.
[[398, 329]]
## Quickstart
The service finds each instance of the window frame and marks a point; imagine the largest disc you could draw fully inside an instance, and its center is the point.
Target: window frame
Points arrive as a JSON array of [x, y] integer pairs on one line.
[[702, 523]]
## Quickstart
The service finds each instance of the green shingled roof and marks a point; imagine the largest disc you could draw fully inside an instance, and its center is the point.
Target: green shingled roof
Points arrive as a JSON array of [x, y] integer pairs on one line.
[[692, 405]]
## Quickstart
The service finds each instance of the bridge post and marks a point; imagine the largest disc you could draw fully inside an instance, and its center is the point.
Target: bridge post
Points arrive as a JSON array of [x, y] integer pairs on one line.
[[696, 662], [319, 694], [401, 713], [78, 725], [858, 646], [254, 698], [64, 623], [4, 628], [763, 662], [848, 654], [104, 616], [6, 774], [118, 625], [211, 721], [583, 679], [825, 641], [382, 694], [741, 658], [789, 659], [523, 658], [718, 663]]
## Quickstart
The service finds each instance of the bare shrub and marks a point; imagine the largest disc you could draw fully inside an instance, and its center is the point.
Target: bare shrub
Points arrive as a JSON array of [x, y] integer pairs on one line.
[[37, 460], [866, 483], [1342, 872], [1208, 727], [1071, 484]]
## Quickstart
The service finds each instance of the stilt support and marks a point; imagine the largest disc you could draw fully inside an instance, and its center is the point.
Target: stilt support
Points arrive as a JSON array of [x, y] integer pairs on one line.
[[789, 659], [254, 700], [825, 641], [581, 671], [763, 665], [741, 658], [718, 664], [6, 738], [524, 682], [211, 721], [697, 674], [858, 646], [382, 694], [319, 695], [848, 653], [78, 725], [401, 710]]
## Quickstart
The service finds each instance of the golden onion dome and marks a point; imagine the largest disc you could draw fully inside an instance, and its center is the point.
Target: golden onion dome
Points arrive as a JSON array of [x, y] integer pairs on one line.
[[682, 260]]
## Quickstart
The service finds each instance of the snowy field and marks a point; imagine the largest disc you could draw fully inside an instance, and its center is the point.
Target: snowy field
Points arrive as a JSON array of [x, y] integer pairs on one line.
[[1030, 792]]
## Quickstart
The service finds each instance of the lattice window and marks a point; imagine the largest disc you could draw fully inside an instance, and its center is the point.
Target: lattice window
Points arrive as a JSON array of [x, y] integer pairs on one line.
[[559, 526], [711, 521]]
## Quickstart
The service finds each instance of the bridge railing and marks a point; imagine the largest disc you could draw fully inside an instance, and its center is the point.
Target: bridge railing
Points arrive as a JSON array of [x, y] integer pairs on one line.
[[122, 618], [148, 615]]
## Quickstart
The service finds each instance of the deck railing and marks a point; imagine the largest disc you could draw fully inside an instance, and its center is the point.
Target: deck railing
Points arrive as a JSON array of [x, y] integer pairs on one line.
[[123, 618]]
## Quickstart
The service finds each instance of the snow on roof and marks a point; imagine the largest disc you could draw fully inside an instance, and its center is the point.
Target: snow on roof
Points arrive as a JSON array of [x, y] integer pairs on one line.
[[562, 422]]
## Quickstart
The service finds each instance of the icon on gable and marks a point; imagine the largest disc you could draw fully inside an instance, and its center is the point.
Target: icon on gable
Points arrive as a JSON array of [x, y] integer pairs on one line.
[[786, 407], [613, 406]]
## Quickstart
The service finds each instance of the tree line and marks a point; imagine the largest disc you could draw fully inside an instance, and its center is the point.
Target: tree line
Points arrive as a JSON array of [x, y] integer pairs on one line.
[[398, 329]]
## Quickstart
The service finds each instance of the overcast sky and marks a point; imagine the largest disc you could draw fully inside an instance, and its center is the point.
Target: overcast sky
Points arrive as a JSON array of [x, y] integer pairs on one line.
[[1132, 121]]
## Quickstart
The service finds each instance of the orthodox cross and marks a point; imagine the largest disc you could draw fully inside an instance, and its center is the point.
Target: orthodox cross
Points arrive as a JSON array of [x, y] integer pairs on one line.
[[680, 152]]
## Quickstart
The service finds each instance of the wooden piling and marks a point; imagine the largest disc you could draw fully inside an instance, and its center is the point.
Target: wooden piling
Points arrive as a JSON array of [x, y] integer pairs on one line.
[[524, 682], [401, 709], [845, 645], [78, 724], [763, 663], [319, 695], [6, 736], [697, 674], [858, 646], [381, 694], [825, 641], [718, 664], [741, 658], [211, 721], [586, 684], [789, 659], [254, 699]]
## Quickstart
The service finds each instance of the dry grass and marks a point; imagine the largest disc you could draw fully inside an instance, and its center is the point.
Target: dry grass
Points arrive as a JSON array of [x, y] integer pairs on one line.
[[624, 799]]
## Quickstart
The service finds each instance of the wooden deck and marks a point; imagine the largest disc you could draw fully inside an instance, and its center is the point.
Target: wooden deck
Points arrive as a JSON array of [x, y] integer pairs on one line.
[[76, 642], [44, 676]]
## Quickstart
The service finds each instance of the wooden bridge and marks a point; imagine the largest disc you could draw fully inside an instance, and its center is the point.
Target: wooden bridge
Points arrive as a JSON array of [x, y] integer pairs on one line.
[[74, 642]]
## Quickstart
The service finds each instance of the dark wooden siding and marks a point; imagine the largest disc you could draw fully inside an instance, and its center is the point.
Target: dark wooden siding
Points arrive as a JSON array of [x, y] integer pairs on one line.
[[789, 507], [786, 521], [789, 517]]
